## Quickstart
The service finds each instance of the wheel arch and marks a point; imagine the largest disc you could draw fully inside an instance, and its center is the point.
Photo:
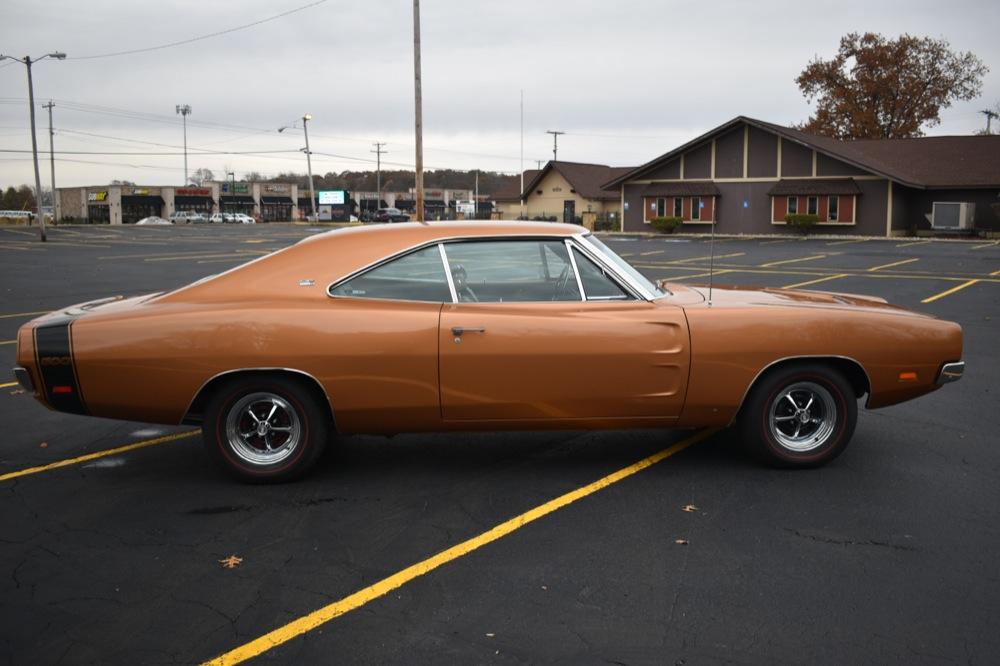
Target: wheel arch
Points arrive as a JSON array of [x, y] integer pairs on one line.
[[194, 415], [851, 368]]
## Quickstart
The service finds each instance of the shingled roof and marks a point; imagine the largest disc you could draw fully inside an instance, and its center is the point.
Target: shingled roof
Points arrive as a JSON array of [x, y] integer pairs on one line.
[[923, 162], [586, 179], [512, 190]]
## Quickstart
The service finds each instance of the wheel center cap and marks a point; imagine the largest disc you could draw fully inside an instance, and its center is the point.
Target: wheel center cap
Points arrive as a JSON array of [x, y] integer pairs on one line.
[[263, 428], [803, 416]]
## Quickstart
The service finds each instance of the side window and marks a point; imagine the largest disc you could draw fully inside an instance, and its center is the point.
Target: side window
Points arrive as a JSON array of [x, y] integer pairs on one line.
[[512, 271], [597, 285], [418, 276]]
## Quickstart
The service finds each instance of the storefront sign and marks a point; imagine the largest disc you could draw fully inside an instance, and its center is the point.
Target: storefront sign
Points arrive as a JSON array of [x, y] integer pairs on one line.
[[236, 188], [141, 191], [193, 191], [276, 188], [97, 196], [332, 197]]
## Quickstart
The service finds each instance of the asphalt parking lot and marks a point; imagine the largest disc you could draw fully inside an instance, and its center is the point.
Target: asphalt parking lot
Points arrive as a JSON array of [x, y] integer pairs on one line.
[[887, 555]]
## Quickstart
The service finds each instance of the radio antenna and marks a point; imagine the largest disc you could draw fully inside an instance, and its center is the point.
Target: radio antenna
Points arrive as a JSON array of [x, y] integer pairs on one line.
[[711, 258]]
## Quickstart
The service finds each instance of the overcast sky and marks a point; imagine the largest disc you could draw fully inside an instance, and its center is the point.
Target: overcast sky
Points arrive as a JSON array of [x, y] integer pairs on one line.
[[626, 80]]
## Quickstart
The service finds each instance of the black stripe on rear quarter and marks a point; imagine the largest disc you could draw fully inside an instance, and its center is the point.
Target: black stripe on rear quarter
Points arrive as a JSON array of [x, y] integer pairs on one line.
[[54, 355]]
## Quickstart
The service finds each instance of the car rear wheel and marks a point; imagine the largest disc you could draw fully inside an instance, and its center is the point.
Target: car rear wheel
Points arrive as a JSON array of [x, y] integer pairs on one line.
[[799, 416], [265, 429]]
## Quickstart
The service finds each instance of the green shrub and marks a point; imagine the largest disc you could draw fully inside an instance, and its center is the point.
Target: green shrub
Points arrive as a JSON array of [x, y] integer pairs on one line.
[[665, 225], [801, 221]]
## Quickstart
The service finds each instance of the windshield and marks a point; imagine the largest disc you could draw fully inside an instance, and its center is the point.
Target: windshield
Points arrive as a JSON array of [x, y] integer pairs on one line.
[[625, 267]]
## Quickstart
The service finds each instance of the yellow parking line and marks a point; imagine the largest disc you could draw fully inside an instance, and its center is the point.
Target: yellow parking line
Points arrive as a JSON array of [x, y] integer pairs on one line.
[[895, 263], [919, 242], [98, 454], [23, 314], [980, 247], [8, 384], [949, 291], [816, 281], [792, 261], [242, 253], [644, 254], [718, 256], [994, 273], [318, 617], [686, 277], [847, 242], [783, 240], [8, 342]]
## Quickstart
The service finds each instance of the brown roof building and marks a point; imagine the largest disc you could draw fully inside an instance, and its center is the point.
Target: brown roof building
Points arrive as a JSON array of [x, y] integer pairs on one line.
[[746, 175], [565, 191]]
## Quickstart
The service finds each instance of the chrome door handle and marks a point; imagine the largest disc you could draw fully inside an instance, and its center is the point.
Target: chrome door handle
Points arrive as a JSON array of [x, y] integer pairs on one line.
[[458, 330]]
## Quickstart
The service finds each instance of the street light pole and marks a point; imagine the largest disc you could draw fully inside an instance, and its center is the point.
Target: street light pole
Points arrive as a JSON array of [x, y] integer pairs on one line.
[[27, 62], [312, 192], [232, 189], [184, 110], [418, 112]]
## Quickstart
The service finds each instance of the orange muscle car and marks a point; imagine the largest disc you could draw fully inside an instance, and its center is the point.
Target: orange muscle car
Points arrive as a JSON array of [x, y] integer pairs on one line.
[[489, 326]]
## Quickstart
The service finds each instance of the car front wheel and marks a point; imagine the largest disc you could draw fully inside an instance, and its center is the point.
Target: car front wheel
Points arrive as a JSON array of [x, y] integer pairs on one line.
[[265, 429], [799, 416]]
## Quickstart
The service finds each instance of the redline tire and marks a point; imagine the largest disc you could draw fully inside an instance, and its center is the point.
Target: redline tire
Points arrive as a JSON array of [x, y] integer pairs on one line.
[[265, 429], [799, 416]]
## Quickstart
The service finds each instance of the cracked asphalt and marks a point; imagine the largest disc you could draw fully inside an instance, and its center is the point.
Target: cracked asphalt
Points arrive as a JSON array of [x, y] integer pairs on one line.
[[887, 555]]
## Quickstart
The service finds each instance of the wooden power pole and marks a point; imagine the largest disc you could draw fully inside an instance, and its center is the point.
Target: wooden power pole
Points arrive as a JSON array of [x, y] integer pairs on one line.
[[418, 112]]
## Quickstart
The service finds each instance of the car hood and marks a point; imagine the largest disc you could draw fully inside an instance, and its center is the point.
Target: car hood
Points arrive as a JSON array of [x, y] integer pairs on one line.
[[740, 296]]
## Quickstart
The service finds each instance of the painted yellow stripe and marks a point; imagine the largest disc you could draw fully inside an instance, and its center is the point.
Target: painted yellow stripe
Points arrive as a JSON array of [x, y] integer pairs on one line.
[[706, 257], [847, 242], [895, 263], [994, 273], [242, 253], [644, 254], [8, 342], [949, 291], [24, 314], [696, 275], [980, 247], [784, 240], [911, 243], [8, 384], [792, 261], [816, 281], [98, 454], [322, 615]]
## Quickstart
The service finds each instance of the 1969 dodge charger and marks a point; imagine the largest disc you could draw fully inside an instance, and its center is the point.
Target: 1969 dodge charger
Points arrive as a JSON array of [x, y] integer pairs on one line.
[[478, 326]]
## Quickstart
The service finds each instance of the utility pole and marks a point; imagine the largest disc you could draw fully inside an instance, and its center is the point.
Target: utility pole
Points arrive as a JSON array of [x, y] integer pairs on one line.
[[522, 152], [52, 159], [309, 165], [476, 201], [555, 143], [990, 115], [418, 112], [538, 166], [184, 110], [378, 171]]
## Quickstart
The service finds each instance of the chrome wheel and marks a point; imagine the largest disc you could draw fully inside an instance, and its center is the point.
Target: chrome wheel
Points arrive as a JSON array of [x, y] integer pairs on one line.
[[802, 416], [263, 428]]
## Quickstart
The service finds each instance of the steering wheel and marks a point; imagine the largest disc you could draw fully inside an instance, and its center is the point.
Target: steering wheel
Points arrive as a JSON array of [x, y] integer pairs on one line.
[[561, 283]]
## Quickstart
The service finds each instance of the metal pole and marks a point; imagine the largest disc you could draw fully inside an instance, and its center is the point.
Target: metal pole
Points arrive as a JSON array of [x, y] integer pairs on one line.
[[34, 154], [477, 195], [418, 113], [309, 165], [52, 159], [184, 110], [522, 152], [555, 143], [378, 172]]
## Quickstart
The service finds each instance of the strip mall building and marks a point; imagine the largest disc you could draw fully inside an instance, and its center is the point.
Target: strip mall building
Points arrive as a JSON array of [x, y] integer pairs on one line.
[[744, 176]]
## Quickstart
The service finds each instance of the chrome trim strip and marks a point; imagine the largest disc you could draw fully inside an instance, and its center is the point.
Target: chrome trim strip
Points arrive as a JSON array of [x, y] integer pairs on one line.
[[951, 372], [796, 358], [23, 378], [264, 369], [447, 273], [568, 244]]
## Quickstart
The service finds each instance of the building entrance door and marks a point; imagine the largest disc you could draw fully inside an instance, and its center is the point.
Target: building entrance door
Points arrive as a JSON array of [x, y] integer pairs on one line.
[[569, 211]]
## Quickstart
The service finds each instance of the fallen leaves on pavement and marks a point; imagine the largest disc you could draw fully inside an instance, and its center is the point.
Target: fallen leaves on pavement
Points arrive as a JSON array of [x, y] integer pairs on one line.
[[231, 562]]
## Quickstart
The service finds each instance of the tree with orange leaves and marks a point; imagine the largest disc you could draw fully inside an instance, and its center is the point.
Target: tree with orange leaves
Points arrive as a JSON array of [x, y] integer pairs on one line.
[[881, 88]]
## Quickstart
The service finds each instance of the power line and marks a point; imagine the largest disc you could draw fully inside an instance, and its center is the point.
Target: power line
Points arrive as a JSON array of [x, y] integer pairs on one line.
[[201, 37]]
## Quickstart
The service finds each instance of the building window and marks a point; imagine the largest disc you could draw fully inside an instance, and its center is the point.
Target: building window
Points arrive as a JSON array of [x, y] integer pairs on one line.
[[812, 205], [661, 207], [793, 205], [678, 207], [833, 208], [695, 208]]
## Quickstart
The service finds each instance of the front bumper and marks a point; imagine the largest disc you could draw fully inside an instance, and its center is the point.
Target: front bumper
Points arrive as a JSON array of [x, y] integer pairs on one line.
[[951, 372]]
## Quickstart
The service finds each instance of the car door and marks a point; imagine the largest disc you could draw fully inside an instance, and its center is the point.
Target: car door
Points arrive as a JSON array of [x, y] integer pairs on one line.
[[542, 333]]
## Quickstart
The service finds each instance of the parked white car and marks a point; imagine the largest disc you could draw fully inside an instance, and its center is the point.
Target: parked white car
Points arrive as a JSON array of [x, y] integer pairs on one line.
[[243, 218], [188, 217]]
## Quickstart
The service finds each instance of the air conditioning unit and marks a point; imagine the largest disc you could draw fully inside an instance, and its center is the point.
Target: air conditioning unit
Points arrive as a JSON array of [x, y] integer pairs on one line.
[[953, 215]]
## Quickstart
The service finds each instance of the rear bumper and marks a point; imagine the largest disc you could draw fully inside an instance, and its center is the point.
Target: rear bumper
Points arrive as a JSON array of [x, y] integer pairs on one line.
[[951, 372], [23, 378]]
